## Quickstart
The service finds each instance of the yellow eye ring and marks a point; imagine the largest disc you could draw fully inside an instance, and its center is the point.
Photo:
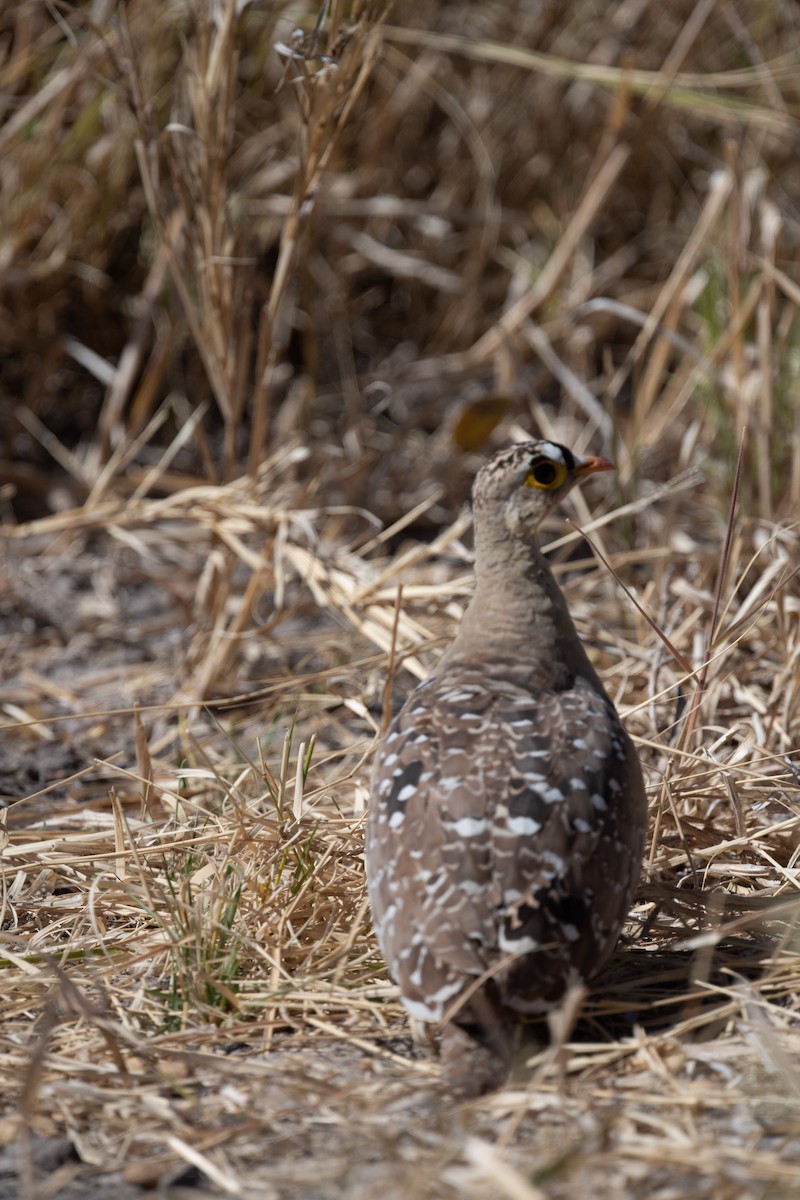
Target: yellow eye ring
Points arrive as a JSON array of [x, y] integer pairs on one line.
[[546, 474]]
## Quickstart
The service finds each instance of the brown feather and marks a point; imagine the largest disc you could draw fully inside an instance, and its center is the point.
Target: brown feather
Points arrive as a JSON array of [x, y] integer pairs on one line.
[[507, 817]]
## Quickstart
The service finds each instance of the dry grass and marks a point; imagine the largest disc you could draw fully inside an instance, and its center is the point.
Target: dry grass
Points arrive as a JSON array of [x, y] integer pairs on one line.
[[264, 312]]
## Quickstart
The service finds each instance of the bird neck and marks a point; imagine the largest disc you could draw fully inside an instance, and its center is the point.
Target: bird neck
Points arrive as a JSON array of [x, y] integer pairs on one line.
[[518, 617]]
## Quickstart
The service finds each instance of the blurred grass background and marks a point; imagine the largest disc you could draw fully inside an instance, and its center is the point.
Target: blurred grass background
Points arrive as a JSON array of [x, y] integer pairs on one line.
[[317, 223]]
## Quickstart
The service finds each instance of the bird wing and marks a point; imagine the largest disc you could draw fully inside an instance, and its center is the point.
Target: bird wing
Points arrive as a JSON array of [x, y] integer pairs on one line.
[[494, 834]]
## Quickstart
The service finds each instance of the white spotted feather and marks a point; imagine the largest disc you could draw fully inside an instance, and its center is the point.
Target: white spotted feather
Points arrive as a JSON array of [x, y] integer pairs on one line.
[[507, 817]]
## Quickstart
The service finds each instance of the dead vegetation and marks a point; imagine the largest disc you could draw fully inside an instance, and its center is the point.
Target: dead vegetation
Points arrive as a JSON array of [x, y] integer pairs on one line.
[[273, 281]]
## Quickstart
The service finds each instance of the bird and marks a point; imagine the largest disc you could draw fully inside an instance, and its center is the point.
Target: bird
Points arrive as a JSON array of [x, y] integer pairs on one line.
[[507, 810]]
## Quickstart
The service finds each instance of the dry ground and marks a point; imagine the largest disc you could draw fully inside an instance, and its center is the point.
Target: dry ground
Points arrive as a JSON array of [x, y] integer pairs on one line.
[[269, 294]]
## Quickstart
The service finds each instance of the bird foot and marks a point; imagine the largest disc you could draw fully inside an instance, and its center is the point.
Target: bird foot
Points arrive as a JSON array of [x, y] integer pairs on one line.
[[469, 1067]]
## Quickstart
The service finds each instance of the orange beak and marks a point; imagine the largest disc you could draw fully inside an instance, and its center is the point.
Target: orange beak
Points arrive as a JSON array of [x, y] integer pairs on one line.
[[588, 466]]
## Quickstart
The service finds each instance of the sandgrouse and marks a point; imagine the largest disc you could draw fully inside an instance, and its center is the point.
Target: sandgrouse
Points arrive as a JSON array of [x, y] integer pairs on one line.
[[507, 816]]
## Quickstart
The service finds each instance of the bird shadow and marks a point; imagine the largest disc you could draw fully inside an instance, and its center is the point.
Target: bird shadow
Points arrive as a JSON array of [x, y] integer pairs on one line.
[[659, 989], [695, 956]]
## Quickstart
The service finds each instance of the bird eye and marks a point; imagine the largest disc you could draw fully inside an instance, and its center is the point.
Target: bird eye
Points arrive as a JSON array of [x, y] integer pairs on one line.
[[546, 474]]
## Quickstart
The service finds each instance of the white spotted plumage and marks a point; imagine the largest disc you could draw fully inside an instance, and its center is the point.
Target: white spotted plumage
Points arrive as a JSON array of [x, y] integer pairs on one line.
[[507, 816]]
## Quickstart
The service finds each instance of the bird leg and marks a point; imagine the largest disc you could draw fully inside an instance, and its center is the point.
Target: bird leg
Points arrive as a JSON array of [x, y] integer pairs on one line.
[[478, 1046]]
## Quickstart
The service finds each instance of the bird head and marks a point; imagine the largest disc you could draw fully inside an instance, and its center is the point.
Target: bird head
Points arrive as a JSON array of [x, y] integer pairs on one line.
[[523, 483]]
